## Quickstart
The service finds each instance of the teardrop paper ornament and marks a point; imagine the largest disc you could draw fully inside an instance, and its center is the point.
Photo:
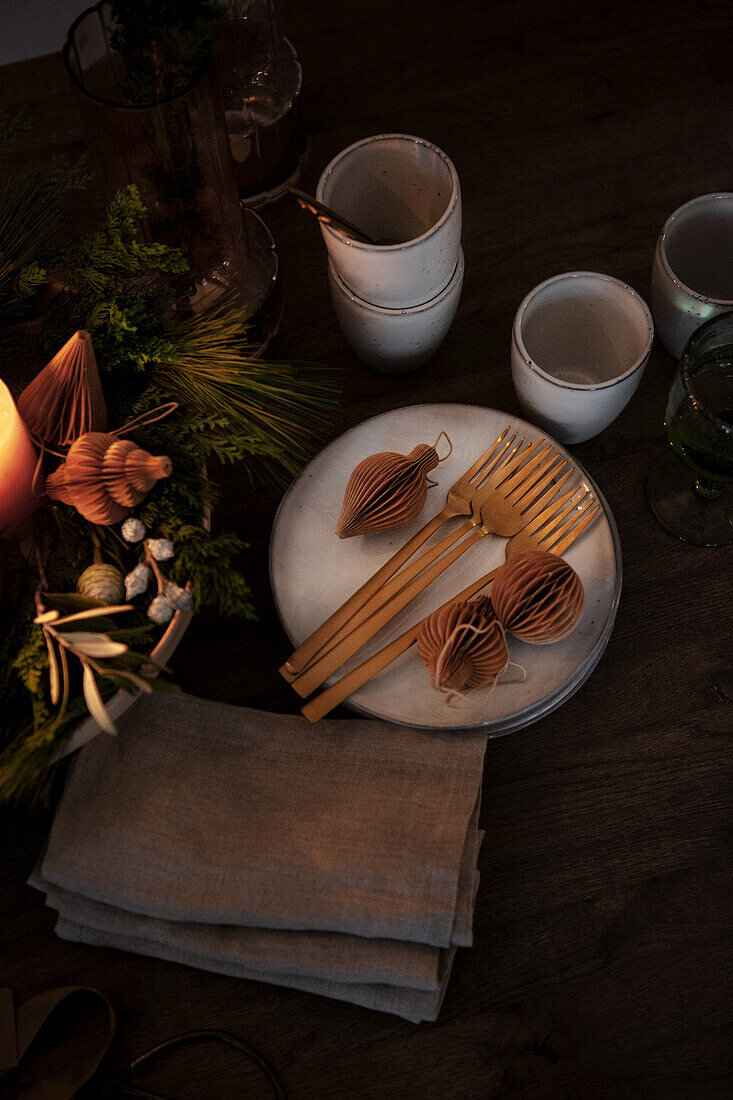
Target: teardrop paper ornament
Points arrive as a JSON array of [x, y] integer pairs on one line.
[[463, 646], [103, 476], [538, 597], [387, 490], [65, 400]]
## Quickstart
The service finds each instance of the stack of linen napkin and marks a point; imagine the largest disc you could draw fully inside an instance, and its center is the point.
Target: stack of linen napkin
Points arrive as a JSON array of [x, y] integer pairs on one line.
[[338, 858]]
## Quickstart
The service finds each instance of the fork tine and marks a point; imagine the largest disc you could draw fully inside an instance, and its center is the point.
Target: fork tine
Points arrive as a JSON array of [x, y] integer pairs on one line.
[[575, 507], [488, 455], [570, 538], [520, 471], [498, 464], [563, 534], [486, 485], [548, 498], [531, 478], [503, 472], [550, 513], [569, 504], [526, 492]]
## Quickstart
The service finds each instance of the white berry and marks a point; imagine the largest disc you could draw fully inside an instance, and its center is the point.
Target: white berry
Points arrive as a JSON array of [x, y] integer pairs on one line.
[[133, 530], [160, 611], [161, 549], [137, 581], [178, 598]]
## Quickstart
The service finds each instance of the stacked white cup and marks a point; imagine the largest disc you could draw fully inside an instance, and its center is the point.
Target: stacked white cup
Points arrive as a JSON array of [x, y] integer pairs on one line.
[[394, 301]]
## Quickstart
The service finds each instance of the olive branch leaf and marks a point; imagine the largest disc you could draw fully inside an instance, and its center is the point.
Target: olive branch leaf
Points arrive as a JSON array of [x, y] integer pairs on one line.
[[92, 649]]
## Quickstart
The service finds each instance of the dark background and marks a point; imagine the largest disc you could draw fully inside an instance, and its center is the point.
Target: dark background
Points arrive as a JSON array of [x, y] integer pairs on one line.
[[599, 967]]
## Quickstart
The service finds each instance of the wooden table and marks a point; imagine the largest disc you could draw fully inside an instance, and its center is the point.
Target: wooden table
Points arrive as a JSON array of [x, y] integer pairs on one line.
[[598, 968]]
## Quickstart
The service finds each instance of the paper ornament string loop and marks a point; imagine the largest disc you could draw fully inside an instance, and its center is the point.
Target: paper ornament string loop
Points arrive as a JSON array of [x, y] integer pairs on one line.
[[463, 646]]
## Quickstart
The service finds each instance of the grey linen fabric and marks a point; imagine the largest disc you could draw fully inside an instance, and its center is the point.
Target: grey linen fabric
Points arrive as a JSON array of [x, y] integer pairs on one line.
[[338, 858]]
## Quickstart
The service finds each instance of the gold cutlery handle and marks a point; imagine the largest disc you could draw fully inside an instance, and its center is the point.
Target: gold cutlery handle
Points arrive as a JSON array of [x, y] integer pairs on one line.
[[304, 655], [388, 591], [322, 704], [322, 668]]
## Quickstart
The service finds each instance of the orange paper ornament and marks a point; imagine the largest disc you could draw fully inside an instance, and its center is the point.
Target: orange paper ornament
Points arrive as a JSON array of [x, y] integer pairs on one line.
[[103, 476], [387, 490], [463, 646], [65, 400], [538, 597]]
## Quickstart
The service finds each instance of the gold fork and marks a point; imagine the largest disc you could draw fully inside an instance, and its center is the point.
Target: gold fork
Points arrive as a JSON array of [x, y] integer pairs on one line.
[[458, 503], [555, 529], [494, 509], [504, 506]]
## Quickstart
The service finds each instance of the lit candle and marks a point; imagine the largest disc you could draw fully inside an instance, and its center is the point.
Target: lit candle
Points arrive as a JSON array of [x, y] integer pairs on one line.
[[18, 461]]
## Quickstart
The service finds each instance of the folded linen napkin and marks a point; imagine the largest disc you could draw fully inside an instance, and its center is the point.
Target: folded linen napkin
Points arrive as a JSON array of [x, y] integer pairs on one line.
[[338, 858]]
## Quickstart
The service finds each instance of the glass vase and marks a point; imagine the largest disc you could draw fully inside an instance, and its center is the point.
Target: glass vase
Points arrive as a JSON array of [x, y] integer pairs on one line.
[[174, 147]]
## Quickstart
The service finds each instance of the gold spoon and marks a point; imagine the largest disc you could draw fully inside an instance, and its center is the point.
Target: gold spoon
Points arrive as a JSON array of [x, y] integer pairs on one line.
[[330, 217]]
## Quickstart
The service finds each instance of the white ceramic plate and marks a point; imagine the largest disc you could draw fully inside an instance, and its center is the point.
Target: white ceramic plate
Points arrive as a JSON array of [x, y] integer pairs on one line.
[[313, 571]]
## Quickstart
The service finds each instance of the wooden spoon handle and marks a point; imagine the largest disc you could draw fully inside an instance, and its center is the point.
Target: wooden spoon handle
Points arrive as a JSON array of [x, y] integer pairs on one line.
[[304, 655], [321, 704], [322, 668]]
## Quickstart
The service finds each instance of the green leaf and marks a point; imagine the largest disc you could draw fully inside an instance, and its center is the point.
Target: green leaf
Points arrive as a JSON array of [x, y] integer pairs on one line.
[[131, 632], [70, 602], [95, 704], [53, 669], [93, 645], [161, 684], [111, 609]]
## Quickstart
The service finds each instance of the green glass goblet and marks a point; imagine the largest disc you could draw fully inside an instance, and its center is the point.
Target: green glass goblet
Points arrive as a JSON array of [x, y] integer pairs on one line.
[[694, 498]]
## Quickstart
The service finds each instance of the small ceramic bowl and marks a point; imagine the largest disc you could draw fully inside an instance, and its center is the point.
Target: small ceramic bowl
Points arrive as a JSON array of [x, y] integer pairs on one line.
[[394, 186], [580, 343], [395, 341], [692, 273]]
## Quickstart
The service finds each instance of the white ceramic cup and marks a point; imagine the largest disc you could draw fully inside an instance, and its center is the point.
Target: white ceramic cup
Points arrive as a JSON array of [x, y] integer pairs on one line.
[[398, 187], [692, 273], [580, 343], [395, 341]]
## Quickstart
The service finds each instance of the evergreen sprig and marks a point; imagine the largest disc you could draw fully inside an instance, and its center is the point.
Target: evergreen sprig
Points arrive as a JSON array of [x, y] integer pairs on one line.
[[31, 210], [268, 408], [232, 407], [116, 251]]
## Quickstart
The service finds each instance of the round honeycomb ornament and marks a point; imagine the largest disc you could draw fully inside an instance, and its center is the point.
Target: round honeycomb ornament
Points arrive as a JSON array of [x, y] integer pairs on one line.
[[538, 597], [463, 646]]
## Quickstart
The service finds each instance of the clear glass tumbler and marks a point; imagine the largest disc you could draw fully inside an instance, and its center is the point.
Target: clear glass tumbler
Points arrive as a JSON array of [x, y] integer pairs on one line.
[[260, 79]]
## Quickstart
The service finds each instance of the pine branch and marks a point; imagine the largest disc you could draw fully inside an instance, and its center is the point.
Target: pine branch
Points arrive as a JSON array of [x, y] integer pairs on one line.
[[279, 408]]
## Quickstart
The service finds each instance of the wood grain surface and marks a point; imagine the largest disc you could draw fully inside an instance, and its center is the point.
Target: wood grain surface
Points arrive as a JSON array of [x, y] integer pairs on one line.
[[600, 966]]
